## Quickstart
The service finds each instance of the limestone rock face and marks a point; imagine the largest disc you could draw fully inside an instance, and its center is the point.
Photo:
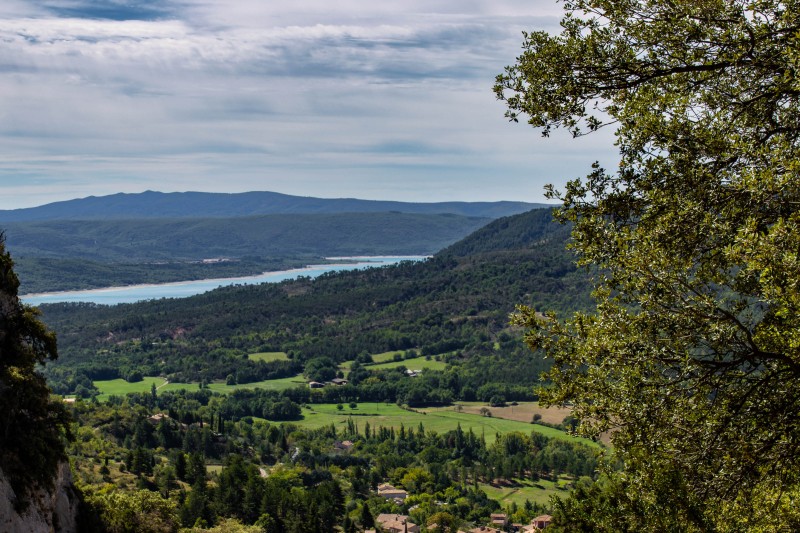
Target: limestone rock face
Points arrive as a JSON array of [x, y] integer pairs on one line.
[[53, 511]]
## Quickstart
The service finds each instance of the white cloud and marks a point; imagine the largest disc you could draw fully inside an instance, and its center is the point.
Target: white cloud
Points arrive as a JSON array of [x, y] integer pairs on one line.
[[351, 98]]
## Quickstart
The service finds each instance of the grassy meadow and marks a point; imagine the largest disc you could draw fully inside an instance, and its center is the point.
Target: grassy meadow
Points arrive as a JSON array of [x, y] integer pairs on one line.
[[385, 360], [439, 419], [521, 490], [417, 363], [121, 387], [268, 357]]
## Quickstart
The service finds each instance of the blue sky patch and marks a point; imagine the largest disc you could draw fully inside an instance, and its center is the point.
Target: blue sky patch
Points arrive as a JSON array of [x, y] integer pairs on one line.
[[110, 9]]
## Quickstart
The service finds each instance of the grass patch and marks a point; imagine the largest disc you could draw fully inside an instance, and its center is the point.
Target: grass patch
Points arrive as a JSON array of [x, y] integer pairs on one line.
[[270, 384], [385, 360], [385, 357], [521, 490], [377, 358], [417, 363], [120, 387], [214, 469], [439, 420], [268, 357]]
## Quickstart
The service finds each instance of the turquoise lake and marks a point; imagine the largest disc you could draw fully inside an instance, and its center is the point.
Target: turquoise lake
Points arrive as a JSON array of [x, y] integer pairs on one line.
[[182, 289]]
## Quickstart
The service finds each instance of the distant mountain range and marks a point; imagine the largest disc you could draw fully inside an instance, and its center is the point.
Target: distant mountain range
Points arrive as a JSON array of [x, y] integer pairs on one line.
[[151, 204]]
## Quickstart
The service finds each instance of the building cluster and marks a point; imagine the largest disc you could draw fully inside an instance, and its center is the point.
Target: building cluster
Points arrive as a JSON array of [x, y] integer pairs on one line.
[[398, 523], [335, 381], [498, 523]]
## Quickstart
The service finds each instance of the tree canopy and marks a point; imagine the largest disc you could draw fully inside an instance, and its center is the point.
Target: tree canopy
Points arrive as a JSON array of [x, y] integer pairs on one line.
[[31, 423], [692, 357]]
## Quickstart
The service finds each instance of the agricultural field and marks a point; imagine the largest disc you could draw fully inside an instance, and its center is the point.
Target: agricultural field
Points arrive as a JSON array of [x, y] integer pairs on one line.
[[385, 360], [386, 357], [121, 387], [434, 419], [522, 412], [520, 490], [417, 363], [268, 357]]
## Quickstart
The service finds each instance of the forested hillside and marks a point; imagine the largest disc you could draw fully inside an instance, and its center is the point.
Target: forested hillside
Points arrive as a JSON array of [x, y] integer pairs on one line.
[[268, 235], [455, 304], [77, 254]]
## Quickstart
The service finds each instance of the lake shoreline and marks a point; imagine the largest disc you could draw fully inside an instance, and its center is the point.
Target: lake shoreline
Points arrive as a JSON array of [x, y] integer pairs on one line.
[[127, 293]]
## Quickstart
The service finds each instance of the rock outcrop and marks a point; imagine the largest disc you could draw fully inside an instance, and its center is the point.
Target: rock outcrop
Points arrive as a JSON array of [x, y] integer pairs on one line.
[[54, 511]]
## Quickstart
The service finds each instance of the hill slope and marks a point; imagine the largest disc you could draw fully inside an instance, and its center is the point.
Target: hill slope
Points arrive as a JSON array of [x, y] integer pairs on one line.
[[79, 254], [152, 204], [267, 235], [456, 301]]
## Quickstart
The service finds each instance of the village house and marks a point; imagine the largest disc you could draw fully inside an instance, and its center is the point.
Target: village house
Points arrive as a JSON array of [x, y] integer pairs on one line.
[[339, 381], [538, 524], [541, 522], [156, 418], [498, 519], [315, 385], [390, 492], [396, 523]]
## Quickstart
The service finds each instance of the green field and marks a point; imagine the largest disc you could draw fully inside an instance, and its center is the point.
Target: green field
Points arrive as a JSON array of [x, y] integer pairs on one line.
[[439, 420], [535, 491], [417, 363], [268, 357], [386, 360], [385, 357], [122, 387]]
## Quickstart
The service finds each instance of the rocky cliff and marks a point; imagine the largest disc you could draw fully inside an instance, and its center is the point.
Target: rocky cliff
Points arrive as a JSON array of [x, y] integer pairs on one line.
[[54, 511]]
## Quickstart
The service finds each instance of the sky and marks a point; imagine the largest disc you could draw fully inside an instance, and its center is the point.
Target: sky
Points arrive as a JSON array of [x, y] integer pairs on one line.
[[353, 98]]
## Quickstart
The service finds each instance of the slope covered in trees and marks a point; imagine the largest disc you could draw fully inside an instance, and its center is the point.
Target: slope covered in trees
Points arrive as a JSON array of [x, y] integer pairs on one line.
[[457, 302], [262, 236], [70, 254]]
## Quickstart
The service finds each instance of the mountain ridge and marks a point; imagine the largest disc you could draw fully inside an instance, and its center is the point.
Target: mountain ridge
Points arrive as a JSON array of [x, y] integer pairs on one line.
[[192, 204]]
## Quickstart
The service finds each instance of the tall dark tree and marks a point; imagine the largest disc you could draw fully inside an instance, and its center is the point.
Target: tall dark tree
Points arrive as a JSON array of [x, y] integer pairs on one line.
[[32, 424], [693, 355]]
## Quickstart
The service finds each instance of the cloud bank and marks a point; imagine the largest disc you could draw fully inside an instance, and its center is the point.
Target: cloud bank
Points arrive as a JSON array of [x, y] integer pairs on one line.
[[345, 99]]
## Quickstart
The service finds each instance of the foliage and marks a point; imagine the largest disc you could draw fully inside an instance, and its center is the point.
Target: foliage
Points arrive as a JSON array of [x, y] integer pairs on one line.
[[32, 424], [140, 511], [692, 355], [203, 468]]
